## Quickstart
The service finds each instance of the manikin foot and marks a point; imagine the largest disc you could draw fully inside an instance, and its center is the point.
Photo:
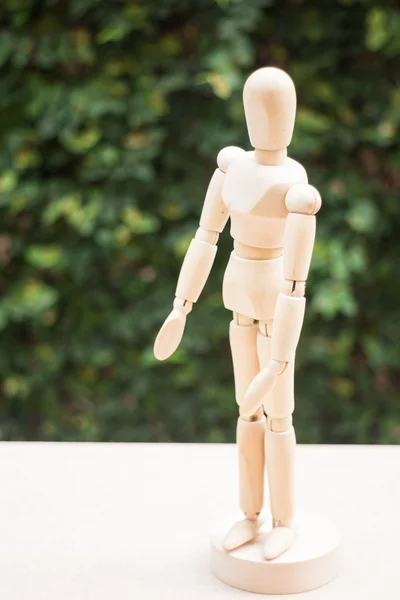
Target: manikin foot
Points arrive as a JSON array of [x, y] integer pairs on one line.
[[241, 533], [279, 540]]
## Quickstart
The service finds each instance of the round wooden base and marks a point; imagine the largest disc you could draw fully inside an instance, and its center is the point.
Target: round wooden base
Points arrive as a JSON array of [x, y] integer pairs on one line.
[[312, 561]]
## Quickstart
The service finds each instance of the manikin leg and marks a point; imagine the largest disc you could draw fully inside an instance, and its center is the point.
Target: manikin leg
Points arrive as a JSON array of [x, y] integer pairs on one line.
[[280, 445], [250, 434]]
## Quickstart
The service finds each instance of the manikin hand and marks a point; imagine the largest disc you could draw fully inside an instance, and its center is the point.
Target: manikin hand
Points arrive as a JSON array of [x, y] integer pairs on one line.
[[170, 334], [262, 383]]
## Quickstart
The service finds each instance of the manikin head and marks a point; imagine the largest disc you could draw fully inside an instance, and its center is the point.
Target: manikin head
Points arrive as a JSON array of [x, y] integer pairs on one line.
[[269, 100]]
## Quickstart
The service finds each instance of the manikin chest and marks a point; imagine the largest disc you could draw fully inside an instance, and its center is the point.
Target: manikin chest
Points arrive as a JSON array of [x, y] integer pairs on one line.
[[255, 197]]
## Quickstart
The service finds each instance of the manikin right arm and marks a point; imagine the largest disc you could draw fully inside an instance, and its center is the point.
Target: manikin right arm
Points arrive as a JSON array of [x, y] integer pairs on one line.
[[199, 258]]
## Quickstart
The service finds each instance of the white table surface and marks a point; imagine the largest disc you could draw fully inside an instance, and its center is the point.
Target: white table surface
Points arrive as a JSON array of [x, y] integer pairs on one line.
[[132, 521]]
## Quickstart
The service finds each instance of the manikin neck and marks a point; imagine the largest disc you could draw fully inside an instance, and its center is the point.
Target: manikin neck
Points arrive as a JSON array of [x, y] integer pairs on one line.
[[270, 157]]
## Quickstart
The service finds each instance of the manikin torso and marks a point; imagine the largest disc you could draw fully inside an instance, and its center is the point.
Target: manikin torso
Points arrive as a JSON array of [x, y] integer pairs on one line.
[[255, 197]]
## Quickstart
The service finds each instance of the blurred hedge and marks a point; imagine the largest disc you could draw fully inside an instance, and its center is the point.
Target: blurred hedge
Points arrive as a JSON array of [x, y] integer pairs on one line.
[[112, 114]]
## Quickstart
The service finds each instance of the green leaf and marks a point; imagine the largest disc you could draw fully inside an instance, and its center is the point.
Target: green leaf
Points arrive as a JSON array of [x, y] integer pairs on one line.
[[377, 28], [362, 217], [29, 299], [45, 257], [80, 142], [8, 181], [139, 222]]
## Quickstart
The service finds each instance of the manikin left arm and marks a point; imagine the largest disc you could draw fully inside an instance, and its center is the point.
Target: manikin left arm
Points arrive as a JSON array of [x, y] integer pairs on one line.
[[303, 202], [199, 258]]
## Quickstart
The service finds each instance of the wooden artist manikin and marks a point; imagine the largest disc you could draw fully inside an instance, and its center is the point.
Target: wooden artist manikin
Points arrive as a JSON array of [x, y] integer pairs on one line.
[[272, 210]]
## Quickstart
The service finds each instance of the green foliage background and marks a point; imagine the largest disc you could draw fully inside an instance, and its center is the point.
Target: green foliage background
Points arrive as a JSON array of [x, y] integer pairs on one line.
[[111, 116]]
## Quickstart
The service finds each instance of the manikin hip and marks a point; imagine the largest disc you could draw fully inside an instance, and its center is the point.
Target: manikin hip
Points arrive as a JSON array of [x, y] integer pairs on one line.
[[251, 287]]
